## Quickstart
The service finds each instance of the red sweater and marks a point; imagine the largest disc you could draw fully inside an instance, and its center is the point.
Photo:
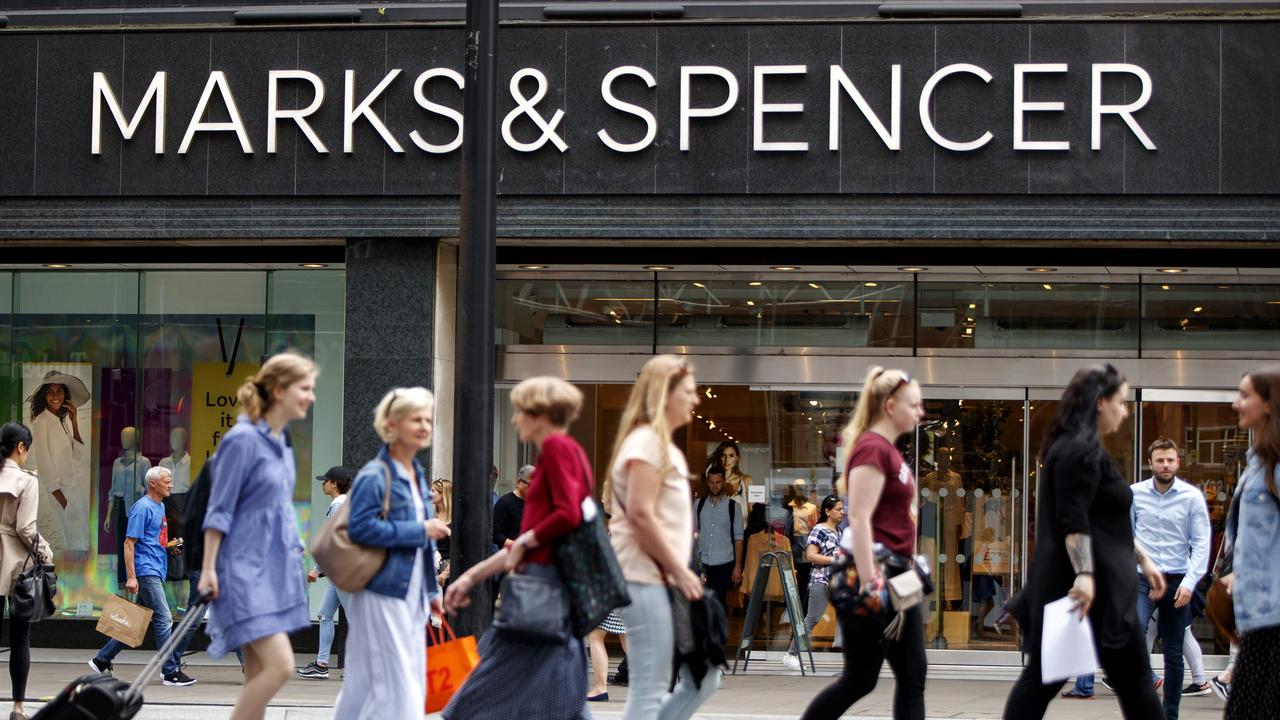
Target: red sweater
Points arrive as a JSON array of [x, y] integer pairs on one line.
[[553, 504]]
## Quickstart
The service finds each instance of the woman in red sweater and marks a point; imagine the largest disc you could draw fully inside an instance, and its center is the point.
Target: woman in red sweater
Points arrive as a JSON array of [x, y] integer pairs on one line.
[[518, 678]]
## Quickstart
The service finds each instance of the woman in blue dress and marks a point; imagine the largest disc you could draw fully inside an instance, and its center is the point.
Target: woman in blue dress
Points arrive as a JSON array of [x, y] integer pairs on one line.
[[253, 555]]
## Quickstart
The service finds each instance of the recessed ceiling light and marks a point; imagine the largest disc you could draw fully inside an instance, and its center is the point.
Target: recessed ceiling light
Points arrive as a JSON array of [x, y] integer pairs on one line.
[[656, 268], [815, 286], [973, 306], [314, 266], [1171, 271], [1164, 287], [1047, 286], [912, 269], [57, 266], [1042, 269], [698, 284], [1197, 308], [533, 267], [755, 283], [870, 284], [785, 268], [1224, 287], [752, 303]]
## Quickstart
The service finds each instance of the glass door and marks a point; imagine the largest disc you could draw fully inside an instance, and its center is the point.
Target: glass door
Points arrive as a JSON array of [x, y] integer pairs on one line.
[[969, 459]]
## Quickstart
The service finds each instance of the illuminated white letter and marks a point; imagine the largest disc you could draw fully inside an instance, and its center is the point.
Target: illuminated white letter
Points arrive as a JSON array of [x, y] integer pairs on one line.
[[759, 107], [1097, 110], [275, 114], [352, 112], [102, 92], [217, 79], [420, 94], [1020, 106], [892, 139], [686, 112], [650, 122], [927, 94]]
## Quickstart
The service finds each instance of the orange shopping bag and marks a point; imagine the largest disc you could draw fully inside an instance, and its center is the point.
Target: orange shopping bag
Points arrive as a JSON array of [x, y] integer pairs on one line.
[[449, 662]]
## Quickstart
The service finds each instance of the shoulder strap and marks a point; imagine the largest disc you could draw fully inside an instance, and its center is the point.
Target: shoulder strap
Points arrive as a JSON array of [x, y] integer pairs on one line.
[[701, 502], [386, 497]]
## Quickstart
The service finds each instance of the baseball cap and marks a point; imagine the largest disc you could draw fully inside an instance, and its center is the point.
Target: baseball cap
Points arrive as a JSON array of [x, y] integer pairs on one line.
[[335, 473]]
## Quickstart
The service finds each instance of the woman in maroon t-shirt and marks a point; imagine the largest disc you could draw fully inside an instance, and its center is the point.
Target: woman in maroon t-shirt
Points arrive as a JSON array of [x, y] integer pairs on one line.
[[882, 509]]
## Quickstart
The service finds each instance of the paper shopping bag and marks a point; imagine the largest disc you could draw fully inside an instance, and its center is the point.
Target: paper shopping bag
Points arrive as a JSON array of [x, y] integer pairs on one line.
[[450, 660], [124, 621]]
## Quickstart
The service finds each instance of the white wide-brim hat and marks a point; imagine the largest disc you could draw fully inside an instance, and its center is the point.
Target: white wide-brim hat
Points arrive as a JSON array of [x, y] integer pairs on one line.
[[75, 386]]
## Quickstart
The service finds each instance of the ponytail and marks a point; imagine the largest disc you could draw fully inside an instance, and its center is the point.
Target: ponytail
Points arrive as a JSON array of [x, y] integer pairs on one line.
[[257, 394], [876, 389], [11, 435]]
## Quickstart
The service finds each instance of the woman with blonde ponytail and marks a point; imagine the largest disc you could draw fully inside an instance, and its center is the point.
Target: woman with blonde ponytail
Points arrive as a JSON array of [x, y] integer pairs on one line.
[[881, 510], [253, 556], [652, 533]]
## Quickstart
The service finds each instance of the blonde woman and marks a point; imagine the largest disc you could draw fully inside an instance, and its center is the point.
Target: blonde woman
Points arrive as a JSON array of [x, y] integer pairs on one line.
[[442, 503], [253, 556], [386, 665], [519, 677], [652, 533], [882, 509]]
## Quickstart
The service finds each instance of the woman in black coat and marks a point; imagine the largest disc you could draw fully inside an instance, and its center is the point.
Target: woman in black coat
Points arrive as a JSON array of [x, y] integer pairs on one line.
[[1085, 549]]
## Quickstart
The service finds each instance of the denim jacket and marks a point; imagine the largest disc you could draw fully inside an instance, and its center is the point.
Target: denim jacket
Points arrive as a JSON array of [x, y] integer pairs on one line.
[[1256, 563], [401, 533]]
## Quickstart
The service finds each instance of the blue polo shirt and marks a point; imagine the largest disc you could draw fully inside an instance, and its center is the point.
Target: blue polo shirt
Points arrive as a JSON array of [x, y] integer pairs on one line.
[[148, 527]]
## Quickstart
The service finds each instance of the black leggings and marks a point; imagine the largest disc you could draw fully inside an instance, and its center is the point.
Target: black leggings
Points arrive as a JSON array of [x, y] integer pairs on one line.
[[865, 650], [19, 653], [1254, 691], [1128, 672]]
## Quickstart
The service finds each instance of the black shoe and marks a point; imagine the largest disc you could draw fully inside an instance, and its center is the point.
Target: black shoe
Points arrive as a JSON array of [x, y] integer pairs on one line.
[[314, 671], [1201, 689], [178, 679], [104, 669]]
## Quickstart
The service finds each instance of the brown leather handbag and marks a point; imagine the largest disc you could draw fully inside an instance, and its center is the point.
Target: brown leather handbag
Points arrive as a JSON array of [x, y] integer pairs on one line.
[[349, 565]]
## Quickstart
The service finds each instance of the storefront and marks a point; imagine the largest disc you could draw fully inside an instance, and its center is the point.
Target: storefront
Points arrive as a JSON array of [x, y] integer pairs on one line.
[[987, 204]]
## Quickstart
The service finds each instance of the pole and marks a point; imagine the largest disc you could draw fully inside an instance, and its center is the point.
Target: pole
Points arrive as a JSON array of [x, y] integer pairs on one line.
[[473, 391]]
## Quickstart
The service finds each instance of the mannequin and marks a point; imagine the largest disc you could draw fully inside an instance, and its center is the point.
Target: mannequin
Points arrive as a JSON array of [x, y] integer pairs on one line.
[[955, 525], [128, 474], [178, 463]]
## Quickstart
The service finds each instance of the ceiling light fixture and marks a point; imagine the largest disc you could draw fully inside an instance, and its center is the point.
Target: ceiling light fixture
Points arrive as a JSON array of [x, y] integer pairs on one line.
[[1171, 271], [786, 268], [815, 286], [973, 306], [1047, 286], [813, 403], [755, 283], [698, 284], [1042, 269], [1164, 287], [1197, 308], [656, 268], [751, 303], [870, 284], [313, 266], [912, 269], [533, 267], [57, 266]]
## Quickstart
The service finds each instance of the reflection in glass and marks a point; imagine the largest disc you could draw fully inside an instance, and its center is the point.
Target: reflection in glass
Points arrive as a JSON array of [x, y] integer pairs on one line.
[[574, 312], [970, 465], [1211, 317], [785, 313], [1013, 316]]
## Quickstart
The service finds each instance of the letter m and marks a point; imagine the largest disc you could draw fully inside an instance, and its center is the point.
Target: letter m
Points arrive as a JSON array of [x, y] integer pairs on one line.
[[102, 92]]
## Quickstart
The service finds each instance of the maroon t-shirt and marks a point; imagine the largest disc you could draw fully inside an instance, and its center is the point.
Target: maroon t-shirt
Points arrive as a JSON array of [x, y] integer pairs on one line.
[[893, 523]]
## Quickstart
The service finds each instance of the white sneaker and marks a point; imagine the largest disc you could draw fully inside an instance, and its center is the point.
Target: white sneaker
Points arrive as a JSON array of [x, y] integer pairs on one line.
[[791, 661]]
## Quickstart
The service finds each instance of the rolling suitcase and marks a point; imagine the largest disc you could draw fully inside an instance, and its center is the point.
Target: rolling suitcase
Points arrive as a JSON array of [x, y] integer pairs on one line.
[[99, 696]]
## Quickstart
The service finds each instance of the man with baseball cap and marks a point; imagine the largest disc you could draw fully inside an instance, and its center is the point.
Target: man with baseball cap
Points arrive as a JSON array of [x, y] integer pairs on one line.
[[335, 482]]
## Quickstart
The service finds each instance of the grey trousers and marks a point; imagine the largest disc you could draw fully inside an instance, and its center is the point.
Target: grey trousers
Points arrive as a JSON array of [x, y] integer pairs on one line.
[[650, 648]]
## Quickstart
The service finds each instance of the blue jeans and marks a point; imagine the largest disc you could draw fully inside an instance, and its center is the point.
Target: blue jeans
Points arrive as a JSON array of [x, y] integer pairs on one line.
[[328, 612], [650, 644], [1171, 626], [1084, 684], [150, 595]]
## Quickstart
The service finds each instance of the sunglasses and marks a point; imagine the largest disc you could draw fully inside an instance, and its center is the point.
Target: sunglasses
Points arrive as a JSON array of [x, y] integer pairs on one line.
[[905, 379]]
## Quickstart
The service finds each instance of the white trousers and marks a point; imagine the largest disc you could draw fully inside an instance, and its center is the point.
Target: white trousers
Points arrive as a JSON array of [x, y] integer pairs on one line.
[[386, 663]]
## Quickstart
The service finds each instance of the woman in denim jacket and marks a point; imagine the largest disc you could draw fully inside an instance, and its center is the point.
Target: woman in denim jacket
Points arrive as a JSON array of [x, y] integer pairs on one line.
[[386, 665], [1254, 583]]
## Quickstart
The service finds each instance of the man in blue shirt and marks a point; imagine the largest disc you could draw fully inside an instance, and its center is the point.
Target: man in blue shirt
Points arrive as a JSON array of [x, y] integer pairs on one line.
[[1171, 521], [146, 563]]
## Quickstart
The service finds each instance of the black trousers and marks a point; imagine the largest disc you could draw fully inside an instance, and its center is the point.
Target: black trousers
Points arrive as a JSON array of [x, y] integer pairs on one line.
[[865, 650], [19, 653], [720, 579], [1255, 694], [1128, 671]]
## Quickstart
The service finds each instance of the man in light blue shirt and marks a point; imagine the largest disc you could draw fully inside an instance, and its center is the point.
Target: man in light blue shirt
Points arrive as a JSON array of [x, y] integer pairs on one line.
[[719, 536], [1171, 522]]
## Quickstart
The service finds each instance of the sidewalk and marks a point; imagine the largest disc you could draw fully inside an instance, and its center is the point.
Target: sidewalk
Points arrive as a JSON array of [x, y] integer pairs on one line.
[[754, 697]]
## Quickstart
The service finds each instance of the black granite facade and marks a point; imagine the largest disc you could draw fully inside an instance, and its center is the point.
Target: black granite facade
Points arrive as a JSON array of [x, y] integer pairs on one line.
[[1213, 86], [390, 306]]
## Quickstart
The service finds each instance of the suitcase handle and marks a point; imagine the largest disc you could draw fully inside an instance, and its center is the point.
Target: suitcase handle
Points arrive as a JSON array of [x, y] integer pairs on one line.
[[194, 613]]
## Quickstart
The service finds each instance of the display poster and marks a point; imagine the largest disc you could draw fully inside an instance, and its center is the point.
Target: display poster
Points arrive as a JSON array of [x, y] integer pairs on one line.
[[215, 406]]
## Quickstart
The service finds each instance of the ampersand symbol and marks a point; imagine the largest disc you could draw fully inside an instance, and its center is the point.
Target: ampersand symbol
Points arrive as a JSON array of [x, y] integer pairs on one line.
[[528, 106]]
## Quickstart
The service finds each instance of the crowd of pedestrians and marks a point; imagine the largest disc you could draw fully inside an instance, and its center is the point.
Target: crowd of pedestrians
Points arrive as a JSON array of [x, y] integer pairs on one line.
[[681, 556]]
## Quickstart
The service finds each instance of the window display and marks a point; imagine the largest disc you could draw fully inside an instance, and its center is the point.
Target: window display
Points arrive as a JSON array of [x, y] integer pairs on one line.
[[118, 372]]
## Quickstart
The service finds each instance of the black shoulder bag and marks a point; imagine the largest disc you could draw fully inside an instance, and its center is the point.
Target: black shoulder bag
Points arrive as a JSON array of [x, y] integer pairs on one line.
[[32, 595]]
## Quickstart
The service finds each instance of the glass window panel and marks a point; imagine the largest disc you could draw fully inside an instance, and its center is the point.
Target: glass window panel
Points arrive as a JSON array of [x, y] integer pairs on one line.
[[970, 475], [785, 313], [1014, 316], [1211, 317], [575, 312], [82, 328]]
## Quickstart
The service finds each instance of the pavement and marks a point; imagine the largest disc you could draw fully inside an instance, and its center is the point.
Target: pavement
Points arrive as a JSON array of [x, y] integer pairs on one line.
[[768, 692]]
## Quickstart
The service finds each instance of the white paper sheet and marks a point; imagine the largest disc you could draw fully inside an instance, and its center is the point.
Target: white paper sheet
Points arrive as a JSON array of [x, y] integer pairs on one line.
[[1066, 643]]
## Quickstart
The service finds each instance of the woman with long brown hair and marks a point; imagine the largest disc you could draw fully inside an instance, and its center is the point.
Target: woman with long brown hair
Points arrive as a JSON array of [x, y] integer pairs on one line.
[[253, 555], [882, 510], [1254, 583], [1085, 549]]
